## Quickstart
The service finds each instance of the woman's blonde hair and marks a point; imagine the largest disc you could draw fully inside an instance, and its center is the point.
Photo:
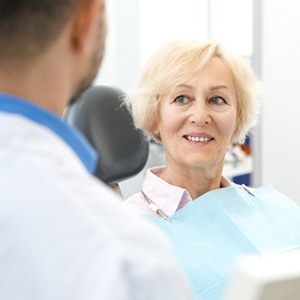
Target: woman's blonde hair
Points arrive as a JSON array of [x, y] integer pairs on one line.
[[178, 61]]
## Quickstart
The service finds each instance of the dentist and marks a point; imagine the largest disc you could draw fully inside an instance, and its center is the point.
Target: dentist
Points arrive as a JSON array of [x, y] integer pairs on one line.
[[64, 234]]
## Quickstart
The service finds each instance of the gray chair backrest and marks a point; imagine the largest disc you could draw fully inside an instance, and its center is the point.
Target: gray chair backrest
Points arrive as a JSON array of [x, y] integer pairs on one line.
[[108, 125]]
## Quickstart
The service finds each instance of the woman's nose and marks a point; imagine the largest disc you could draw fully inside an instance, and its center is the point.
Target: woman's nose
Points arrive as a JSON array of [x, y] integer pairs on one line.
[[200, 113]]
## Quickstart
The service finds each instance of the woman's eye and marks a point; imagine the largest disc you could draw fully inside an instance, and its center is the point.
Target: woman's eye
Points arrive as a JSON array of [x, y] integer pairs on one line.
[[181, 99], [217, 100]]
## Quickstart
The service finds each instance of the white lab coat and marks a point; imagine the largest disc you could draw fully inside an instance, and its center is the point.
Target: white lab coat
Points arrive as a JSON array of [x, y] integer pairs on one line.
[[63, 234]]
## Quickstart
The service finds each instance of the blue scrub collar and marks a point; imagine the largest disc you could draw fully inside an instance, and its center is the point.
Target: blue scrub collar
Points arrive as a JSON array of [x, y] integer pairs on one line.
[[70, 135]]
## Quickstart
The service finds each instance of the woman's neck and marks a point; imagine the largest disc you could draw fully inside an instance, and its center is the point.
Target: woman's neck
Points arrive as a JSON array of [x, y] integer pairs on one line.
[[196, 181]]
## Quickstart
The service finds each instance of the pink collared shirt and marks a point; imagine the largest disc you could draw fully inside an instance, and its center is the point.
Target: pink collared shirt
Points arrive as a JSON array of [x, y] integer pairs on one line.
[[167, 197]]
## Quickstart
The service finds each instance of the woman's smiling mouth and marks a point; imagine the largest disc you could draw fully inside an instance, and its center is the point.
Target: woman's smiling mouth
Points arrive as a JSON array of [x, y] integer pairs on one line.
[[197, 138]]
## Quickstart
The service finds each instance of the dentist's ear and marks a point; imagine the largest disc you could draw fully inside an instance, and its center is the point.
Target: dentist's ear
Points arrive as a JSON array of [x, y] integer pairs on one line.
[[85, 22]]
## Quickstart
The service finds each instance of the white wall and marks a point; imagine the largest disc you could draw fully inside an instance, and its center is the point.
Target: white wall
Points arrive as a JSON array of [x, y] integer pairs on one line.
[[164, 20], [280, 71], [138, 27], [231, 23], [108, 69]]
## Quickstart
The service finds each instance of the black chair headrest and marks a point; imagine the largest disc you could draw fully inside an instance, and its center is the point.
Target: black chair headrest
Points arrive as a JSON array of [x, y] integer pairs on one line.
[[100, 114]]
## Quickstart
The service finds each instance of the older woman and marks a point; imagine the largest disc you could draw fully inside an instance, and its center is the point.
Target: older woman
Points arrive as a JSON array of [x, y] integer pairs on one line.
[[197, 99]]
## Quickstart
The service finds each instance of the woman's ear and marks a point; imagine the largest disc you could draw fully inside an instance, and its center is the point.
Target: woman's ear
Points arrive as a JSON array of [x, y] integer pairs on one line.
[[155, 130], [154, 126], [236, 132]]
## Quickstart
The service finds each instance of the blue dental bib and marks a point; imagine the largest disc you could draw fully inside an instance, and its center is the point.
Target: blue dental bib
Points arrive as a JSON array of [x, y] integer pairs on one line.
[[211, 232]]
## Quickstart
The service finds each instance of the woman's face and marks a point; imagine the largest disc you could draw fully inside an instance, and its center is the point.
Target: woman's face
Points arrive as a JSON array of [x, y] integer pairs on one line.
[[197, 119]]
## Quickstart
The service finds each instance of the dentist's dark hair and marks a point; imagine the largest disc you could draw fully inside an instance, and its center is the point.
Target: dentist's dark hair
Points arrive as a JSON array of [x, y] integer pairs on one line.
[[28, 27]]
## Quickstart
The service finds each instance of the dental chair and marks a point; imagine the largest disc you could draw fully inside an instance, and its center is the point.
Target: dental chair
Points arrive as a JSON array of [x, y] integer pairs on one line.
[[100, 114]]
